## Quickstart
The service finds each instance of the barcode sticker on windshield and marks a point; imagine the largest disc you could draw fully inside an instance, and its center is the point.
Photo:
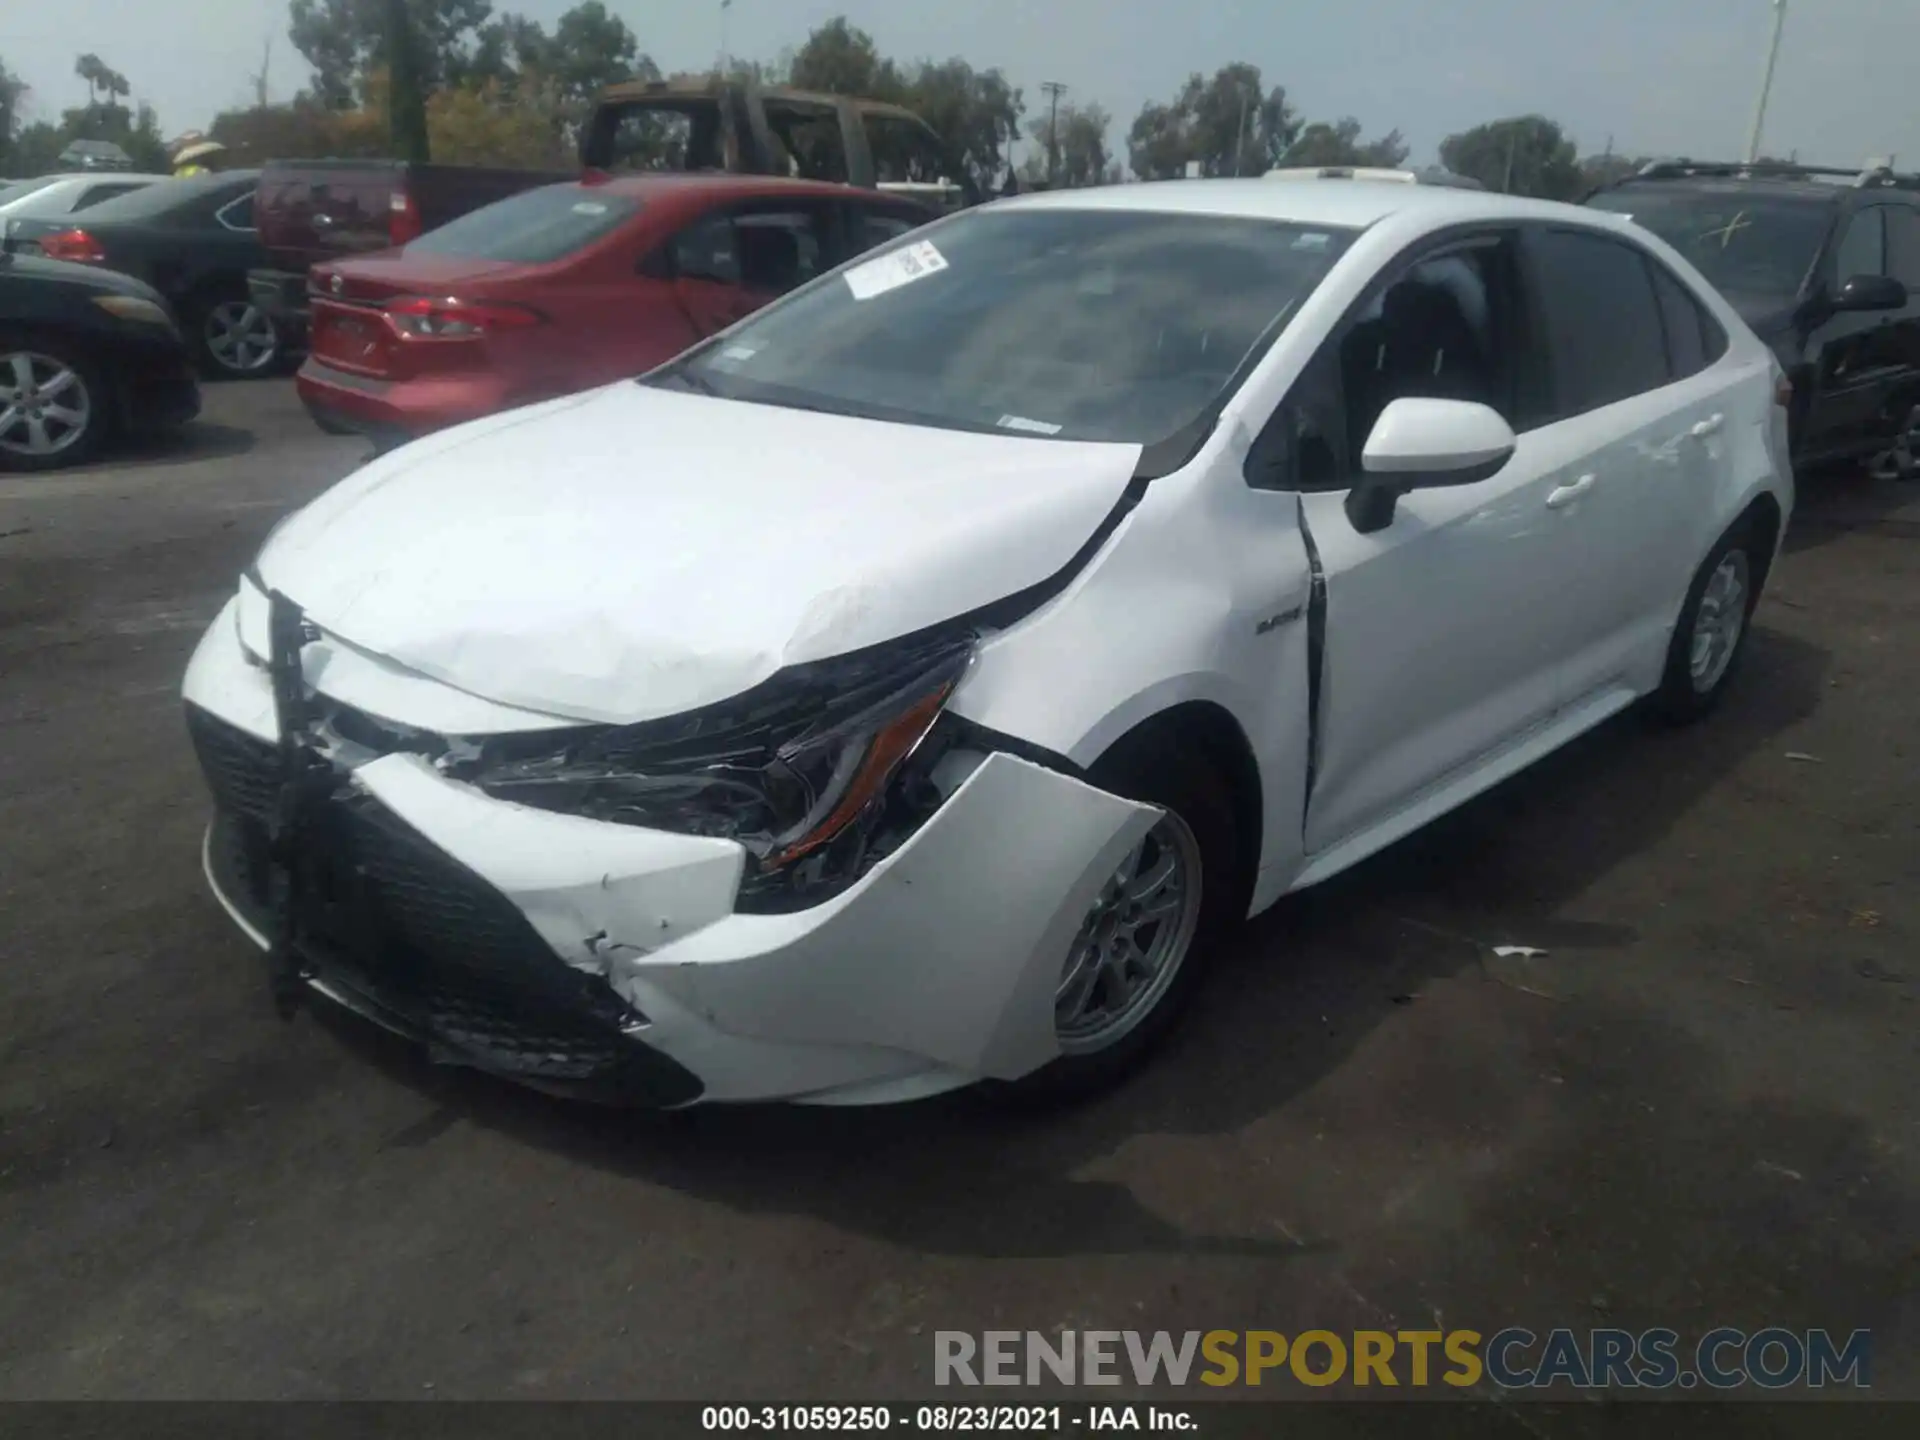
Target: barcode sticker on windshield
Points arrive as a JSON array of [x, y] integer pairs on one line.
[[894, 269], [589, 207], [1032, 427]]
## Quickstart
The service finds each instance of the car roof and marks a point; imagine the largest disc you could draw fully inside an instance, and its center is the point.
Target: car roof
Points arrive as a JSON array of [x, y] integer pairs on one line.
[[1352, 204], [1795, 187]]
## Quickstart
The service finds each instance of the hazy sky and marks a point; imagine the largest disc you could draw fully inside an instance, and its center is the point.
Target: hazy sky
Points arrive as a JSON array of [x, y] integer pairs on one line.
[[1658, 76]]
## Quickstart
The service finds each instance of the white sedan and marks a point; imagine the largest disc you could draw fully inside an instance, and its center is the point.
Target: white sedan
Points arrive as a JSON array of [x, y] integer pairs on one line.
[[907, 687]]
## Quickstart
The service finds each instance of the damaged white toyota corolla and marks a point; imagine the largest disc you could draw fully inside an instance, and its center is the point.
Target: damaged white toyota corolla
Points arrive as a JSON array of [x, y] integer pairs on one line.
[[907, 687]]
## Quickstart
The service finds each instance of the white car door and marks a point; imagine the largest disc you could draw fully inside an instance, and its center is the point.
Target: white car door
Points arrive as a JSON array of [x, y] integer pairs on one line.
[[1633, 391], [1442, 633]]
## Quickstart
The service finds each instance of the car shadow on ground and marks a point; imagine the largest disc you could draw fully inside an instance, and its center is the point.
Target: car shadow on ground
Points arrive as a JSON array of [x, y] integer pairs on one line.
[[1289, 1003], [1837, 502], [193, 442]]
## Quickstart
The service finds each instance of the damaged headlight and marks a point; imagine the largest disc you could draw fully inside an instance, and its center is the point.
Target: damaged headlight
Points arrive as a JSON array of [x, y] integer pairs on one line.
[[817, 773]]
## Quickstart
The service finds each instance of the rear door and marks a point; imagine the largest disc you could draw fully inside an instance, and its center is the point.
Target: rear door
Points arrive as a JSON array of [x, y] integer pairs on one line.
[[1634, 394], [730, 262]]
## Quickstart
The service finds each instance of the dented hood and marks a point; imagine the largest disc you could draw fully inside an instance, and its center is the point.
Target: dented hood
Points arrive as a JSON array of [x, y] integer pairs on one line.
[[635, 552]]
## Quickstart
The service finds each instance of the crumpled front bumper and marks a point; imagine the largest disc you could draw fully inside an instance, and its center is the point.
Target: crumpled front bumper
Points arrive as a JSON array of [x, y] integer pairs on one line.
[[605, 959]]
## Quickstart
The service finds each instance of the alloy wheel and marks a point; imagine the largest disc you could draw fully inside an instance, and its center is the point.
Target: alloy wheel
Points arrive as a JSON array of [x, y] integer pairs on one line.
[[1719, 622], [44, 404], [241, 337], [1133, 942]]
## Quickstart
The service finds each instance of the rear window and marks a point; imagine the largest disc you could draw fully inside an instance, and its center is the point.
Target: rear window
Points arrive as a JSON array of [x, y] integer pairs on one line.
[[167, 197], [549, 223], [1743, 243]]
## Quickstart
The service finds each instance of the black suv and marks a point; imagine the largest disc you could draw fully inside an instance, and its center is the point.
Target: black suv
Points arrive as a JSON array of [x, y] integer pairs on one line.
[[1825, 266]]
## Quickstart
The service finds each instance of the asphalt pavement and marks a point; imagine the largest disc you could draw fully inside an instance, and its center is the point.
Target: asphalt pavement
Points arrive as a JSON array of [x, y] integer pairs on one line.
[[1698, 1107]]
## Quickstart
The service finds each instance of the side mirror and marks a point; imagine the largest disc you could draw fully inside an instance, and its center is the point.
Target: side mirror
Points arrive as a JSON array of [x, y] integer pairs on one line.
[[1421, 444], [1865, 293]]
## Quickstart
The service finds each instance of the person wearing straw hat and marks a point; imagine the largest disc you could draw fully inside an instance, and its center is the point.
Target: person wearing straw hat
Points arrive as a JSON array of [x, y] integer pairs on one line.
[[198, 158]]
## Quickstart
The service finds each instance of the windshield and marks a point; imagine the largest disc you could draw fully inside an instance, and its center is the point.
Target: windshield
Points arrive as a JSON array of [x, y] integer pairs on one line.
[[532, 227], [1080, 324], [164, 197], [1742, 243]]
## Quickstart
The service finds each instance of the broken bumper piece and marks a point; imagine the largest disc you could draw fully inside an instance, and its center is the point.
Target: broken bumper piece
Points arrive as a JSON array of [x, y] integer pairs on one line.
[[607, 961]]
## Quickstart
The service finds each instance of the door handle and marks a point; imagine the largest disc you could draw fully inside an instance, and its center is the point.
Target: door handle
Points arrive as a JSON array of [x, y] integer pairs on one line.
[[1712, 425], [1563, 495]]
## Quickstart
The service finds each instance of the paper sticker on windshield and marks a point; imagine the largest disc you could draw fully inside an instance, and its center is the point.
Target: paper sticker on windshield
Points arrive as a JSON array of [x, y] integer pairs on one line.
[[1031, 427], [732, 357], [589, 207], [1314, 241], [894, 269]]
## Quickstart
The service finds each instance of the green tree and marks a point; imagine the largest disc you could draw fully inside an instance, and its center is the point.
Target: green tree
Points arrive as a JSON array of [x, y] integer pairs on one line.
[[13, 90], [1228, 125], [1526, 155], [1339, 143], [343, 40], [104, 84], [1084, 157], [842, 59], [976, 113]]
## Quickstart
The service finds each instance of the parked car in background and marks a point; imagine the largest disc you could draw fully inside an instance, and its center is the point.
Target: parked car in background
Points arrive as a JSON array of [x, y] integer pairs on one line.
[[85, 355], [568, 286], [1824, 264], [705, 123], [311, 211], [95, 155], [193, 240], [915, 685], [52, 196]]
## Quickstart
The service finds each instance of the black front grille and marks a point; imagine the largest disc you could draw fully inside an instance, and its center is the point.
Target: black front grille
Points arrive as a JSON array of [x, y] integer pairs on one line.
[[391, 917], [242, 771]]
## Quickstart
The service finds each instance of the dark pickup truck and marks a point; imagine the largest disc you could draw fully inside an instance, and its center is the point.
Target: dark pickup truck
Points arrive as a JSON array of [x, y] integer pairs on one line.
[[308, 211], [705, 122]]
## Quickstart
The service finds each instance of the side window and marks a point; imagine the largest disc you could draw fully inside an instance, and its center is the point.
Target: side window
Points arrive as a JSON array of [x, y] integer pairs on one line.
[[94, 194], [1863, 246], [874, 228], [1446, 327], [1903, 245], [1601, 319], [238, 215], [767, 251], [1694, 338]]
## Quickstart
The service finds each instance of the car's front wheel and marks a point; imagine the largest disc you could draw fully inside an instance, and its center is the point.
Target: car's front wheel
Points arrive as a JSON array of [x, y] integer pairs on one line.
[[1712, 631], [1145, 940], [55, 406]]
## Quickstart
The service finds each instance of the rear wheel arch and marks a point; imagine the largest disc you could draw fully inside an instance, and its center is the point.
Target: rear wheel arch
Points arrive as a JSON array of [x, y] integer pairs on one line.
[[1762, 519], [1207, 730]]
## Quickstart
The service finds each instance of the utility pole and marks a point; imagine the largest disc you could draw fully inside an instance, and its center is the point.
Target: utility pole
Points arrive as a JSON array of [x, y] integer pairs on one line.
[[723, 63], [260, 80], [1053, 90], [1766, 80], [1240, 136], [1513, 147]]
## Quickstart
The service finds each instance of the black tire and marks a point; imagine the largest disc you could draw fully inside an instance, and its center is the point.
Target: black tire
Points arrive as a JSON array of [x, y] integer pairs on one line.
[[102, 409], [1156, 769], [1684, 694]]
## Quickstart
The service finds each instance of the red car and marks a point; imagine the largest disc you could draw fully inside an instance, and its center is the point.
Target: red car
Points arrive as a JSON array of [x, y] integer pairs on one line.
[[564, 287]]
